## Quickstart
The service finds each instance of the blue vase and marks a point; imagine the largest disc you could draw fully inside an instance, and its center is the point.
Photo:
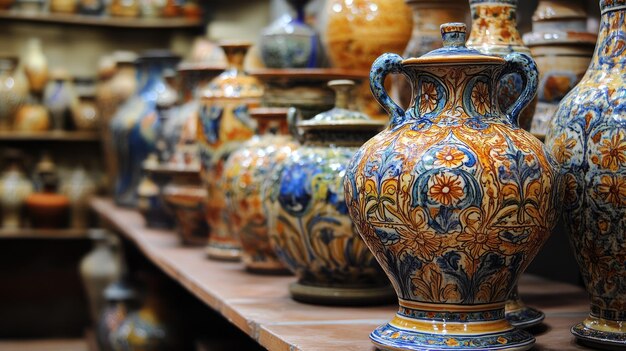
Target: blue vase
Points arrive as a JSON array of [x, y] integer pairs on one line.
[[134, 127]]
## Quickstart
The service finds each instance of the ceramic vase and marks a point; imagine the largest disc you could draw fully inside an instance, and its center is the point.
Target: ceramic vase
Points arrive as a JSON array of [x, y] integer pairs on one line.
[[98, 269], [428, 15], [84, 111], [91, 7], [587, 136], [185, 196], [13, 91], [59, 96], [35, 66], [125, 8], [451, 220], [309, 226], [223, 125], [31, 117], [120, 299], [494, 32], [563, 49], [46, 208], [79, 188], [14, 189], [135, 124], [150, 202], [245, 172], [290, 42]]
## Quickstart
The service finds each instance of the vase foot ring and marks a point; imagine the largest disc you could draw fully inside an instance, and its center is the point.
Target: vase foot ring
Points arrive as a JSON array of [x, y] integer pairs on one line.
[[525, 317], [390, 338], [321, 295], [599, 339], [223, 254]]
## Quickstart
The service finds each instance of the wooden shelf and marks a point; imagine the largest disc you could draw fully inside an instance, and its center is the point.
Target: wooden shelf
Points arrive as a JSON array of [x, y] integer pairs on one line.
[[83, 136], [28, 233], [101, 21], [261, 306], [44, 345]]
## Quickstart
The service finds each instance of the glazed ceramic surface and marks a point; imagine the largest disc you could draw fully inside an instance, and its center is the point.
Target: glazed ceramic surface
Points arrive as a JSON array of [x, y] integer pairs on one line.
[[14, 189], [79, 188], [186, 196], [428, 15], [223, 125], [453, 198], [59, 96], [494, 32], [309, 226], [120, 299], [13, 91], [245, 172], [135, 125], [587, 136], [35, 65], [151, 203], [31, 118], [125, 8], [290, 42]]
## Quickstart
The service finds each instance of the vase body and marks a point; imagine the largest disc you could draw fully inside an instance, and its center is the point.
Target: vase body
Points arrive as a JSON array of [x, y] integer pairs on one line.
[[151, 202], [494, 32], [91, 7], [309, 226], [245, 172], [586, 136], [125, 8], [186, 196], [31, 118], [13, 91], [59, 97], [223, 125], [562, 49], [35, 66], [84, 112], [291, 43], [79, 188], [98, 269], [14, 189], [47, 210], [63, 6], [453, 223], [135, 125], [428, 15]]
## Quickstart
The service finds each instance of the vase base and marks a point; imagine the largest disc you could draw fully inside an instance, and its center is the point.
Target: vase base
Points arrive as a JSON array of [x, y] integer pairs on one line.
[[267, 270], [525, 317], [390, 338], [321, 295], [220, 253], [599, 339]]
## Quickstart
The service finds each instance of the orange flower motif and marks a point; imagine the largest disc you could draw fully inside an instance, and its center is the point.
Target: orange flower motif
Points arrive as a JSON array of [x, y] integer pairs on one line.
[[612, 189], [428, 98], [480, 97], [447, 189], [449, 156], [475, 239], [613, 152], [562, 149]]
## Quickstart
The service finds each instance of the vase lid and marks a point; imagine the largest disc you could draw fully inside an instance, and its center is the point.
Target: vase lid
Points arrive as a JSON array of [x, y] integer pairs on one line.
[[454, 50], [341, 117]]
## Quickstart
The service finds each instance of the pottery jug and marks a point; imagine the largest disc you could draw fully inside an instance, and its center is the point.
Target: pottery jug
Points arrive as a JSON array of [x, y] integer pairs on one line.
[[309, 226], [35, 66], [98, 269], [13, 91], [453, 197], [223, 125], [562, 49], [135, 125], [14, 189], [291, 42], [245, 172], [587, 136], [494, 32], [120, 299]]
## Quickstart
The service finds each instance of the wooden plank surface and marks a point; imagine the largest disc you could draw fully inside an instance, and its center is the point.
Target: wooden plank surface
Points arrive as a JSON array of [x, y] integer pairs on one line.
[[261, 306], [44, 345]]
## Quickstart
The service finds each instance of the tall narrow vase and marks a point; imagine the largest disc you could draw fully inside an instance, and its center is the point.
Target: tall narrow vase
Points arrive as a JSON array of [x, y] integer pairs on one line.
[[223, 125], [494, 32], [587, 136]]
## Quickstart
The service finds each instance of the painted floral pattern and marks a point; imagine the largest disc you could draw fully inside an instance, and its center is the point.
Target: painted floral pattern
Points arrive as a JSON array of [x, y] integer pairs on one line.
[[587, 136]]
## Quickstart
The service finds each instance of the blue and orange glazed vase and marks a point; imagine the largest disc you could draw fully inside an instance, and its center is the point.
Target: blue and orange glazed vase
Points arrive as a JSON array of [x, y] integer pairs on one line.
[[309, 226], [587, 136], [453, 198]]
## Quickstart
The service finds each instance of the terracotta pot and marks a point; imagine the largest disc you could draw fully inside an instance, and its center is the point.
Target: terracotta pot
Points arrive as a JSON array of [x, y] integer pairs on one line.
[[48, 210], [452, 222], [586, 136]]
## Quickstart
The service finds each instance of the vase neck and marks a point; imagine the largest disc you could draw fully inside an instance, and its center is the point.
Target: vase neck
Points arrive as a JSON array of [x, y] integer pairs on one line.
[[235, 55], [610, 50], [494, 27]]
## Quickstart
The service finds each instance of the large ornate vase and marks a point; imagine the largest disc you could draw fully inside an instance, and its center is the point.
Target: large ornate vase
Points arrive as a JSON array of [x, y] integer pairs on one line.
[[135, 124], [453, 198], [494, 32], [587, 136], [223, 125], [309, 226], [246, 171]]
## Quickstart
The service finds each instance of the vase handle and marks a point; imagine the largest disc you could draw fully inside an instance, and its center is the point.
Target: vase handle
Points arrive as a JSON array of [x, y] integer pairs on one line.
[[385, 64], [526, 67]]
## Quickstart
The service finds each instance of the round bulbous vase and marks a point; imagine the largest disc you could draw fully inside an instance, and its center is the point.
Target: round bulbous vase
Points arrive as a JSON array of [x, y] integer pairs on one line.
[[224, 123], [13, 91], [309, 226], [245, 173], [587, 137], [453, 222], [494, 32]]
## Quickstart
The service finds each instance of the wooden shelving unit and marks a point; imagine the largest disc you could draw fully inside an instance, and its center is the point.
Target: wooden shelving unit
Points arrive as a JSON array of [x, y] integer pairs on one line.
[[28, 233], [60, 135], [45, 345], [101, 21], [261, 307]]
